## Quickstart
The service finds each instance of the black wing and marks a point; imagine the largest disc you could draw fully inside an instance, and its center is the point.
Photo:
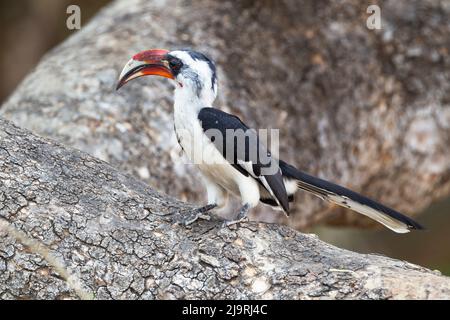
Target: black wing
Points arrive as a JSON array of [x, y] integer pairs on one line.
[[241, 147]]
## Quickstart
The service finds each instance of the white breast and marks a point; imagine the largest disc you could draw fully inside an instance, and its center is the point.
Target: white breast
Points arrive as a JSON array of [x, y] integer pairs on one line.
[[201, 151]]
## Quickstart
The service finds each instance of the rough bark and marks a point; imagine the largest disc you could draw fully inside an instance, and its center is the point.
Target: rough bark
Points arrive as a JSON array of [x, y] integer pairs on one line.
[[72, 226], [367, 109]]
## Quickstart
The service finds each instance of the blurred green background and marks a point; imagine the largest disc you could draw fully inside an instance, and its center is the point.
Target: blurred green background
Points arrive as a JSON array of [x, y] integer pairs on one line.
[[29, 28]]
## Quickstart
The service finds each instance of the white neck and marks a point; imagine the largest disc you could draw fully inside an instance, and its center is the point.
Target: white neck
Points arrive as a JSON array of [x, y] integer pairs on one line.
[[186, 101], [186, 124]]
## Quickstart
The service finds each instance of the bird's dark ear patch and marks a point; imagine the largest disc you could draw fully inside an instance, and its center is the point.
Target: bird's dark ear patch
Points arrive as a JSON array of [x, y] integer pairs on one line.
[[201, 57]]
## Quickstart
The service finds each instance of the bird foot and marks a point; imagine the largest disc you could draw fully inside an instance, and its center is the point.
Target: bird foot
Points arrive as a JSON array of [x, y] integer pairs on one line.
[[241, 217], [193, 215], [230, 223]]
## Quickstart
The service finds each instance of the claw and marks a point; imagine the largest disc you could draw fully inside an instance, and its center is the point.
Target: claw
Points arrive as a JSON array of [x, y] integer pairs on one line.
[[195, 214], [241, 217], [229, 223]]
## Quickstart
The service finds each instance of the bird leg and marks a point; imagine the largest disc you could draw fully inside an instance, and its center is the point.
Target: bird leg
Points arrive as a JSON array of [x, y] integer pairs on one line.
[[193, 215], [241, 216]]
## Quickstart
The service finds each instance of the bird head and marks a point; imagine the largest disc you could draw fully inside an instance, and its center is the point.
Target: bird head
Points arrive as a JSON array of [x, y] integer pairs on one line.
[[192, 71]]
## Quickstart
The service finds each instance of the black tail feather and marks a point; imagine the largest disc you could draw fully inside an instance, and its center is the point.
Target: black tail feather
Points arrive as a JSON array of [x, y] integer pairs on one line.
[[325, 190]]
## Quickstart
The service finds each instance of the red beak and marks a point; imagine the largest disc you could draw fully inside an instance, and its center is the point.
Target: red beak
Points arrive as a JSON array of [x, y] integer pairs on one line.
[[145, 63]]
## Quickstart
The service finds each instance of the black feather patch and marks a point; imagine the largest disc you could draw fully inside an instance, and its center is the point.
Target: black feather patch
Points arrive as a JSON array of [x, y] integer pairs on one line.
[[236, 151], [323, 189], [201, 57], [273, 203]]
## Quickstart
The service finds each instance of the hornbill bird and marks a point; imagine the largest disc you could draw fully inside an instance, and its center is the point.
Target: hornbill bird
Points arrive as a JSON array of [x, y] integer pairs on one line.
[[231, 166]]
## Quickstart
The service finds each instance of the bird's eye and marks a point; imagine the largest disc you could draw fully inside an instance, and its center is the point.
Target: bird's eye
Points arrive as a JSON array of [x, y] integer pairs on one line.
[[175, 64]]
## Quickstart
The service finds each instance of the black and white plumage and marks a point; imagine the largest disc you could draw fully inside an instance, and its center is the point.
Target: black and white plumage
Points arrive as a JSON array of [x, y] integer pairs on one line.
[[239, 154], [234, 165]]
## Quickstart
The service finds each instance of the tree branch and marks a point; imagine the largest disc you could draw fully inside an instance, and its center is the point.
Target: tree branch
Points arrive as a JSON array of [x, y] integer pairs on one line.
[[72, 226]]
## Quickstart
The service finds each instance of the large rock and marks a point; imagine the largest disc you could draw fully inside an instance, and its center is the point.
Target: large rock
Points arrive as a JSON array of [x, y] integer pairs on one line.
[[367, 109]]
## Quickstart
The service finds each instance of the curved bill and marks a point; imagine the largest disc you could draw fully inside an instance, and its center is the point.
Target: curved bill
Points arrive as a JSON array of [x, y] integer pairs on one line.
[[145, 63]]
